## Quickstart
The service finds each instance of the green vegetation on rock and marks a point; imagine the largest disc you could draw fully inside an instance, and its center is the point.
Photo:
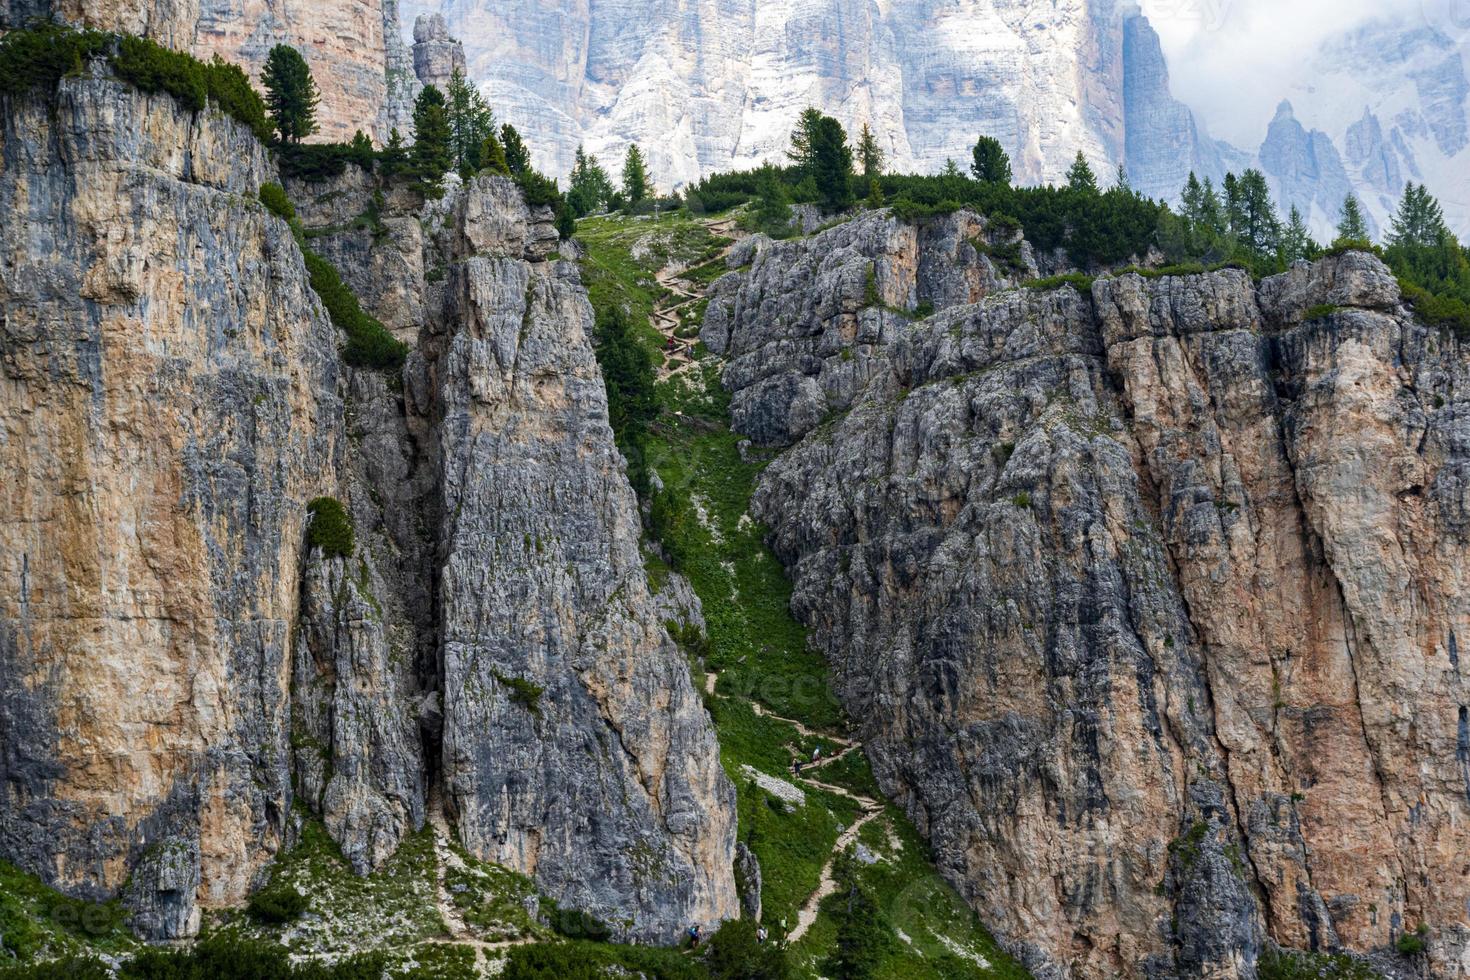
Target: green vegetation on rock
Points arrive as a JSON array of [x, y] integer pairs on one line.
[[44, 54], [329, 527]]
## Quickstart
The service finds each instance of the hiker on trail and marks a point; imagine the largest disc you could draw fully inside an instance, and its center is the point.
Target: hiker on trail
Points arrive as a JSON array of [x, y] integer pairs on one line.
[[816, 754], [760, 934], [694, 936], [797, 766]]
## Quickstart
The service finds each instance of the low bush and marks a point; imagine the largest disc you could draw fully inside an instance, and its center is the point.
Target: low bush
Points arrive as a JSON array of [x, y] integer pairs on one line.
[[273, 196], [588, 961], [323, 161], [369, 343], [329, 527], [1078, 281], [1448, 312], [44, 54], [276, 904], [1413, 943], [525, 693], [226, 956], [68, 968]]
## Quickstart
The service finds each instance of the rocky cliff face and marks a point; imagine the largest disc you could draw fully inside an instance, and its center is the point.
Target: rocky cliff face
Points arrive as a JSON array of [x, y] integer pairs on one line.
[[1147, 600], [179, 670], [171, 406], [705, 85], [575, 747], [356, 50]]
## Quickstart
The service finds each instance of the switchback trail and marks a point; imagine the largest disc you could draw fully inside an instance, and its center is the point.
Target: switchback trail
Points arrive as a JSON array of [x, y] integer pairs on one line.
[[678, 357], [666, 319]]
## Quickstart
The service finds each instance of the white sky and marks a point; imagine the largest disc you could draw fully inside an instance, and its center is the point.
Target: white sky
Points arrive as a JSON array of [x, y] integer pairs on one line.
[[1233, 60]]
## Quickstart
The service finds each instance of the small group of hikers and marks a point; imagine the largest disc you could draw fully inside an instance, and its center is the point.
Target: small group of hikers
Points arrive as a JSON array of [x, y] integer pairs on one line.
[[796, 763], [696, 935]]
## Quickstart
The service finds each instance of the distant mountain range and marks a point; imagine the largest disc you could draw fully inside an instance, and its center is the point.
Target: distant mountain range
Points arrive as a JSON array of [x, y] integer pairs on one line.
[[704, 85]]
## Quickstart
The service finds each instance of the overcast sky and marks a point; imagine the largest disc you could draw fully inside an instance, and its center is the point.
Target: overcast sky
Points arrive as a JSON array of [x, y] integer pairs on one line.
[[1232, 60]]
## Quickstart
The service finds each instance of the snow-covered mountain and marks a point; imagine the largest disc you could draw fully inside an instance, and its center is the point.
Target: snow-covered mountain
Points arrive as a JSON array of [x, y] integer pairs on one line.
[[705, 85]]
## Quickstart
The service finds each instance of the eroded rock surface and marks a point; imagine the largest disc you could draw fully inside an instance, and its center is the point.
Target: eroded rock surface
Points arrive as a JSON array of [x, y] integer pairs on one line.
[[170, 405], [1147, 601], [177, 670]]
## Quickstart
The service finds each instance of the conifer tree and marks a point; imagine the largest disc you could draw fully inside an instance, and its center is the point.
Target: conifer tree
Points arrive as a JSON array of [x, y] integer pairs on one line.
[[831, 165], [393, 159], [870, 155], [637, 182], [1191, 200], [1260, 228], [517, 157], [802, 137], [772, 204], [990, 164], [951, 169], [1296, 240], [1352, 226], [1419, 221], [875, 194], [1080, 177], [1212, 213], [432, 155], [470, 121], [590, 187], [492, 155], [290, 93]]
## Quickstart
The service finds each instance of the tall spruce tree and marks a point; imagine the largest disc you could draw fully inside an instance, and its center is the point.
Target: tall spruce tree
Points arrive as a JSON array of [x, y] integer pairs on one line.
[[1296, 239], [1191, 200], [989, 163], [1419, 221], [1212, 214], [470, 121], [492, 155], [870, 155], [432, 155], [772, 204], [290, 93], [1352, 226], [1080, 177], [517, 157], [1260, 229], [802, 136], [590, 187], [637, 182], [832, 163], [1232, 208]]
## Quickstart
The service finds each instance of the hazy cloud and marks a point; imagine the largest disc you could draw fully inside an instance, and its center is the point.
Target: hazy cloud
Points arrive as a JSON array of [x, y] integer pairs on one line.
[[1233, 60]]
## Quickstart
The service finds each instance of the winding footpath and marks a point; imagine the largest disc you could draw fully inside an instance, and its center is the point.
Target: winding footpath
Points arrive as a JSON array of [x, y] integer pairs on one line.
[[679, 351], [678, 357], [868, 809]]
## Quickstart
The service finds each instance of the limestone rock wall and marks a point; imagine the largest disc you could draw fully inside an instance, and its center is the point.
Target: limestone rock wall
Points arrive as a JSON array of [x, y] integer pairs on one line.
[[169, 405], [176, 670], [576, 748], [1148, 600], [358, 58], [571, 742]]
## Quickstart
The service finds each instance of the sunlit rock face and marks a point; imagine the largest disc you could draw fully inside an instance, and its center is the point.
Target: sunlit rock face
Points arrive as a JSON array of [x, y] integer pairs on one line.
[[707, 84]]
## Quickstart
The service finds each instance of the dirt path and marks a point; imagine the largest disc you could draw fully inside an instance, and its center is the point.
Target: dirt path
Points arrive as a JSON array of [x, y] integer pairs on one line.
[[868, 808], [459, 930], [828, 884], [679, 351]]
